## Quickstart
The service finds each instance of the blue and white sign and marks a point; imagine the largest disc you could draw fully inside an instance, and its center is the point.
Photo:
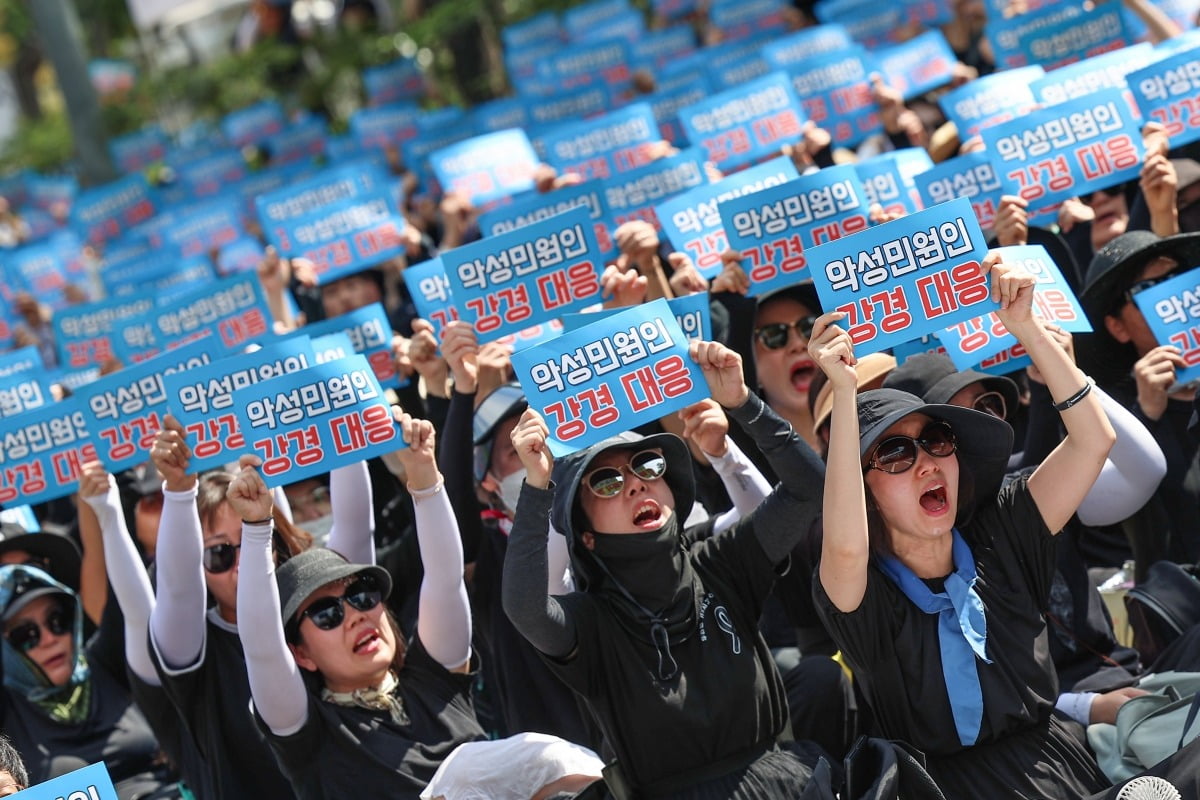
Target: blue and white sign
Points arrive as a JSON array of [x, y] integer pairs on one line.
[[385, 125], [990, 99], [104, 212], [603, 146], [802, 45], [835, 92], [1172, 310], [1100, 29], [42, 452], [371, 334], [488, 167], [430, 290], [741, 125], [89, 783], [692, 312], [138, 150], [84, 333], [1105, 71], [22, 359], [23, 391], [633, 195], [972, 176], [254, 123], [918, 65], [889, 179], [390, 83], [536, 207], [1168, 91]]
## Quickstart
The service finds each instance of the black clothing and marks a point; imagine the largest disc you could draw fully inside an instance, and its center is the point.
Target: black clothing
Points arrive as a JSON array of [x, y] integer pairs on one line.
[[1024, 750], [343, 752]]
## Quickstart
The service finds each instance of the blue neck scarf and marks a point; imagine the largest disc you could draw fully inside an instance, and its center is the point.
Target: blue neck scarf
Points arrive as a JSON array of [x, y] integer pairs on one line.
[[962, 632]]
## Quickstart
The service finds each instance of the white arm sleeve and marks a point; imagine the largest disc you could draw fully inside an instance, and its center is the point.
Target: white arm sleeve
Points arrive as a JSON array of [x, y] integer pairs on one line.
[[177, 623], [746, 485], [279, 496], [444, 615], [129, 581], [353, 531], [1131, 473], [1077, 706], [275, 682]]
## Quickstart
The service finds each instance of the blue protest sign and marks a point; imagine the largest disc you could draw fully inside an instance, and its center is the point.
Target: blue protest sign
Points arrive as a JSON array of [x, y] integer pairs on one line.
[[691, 311], [384, 125], [889, 179], [580, 19], [430, 290], [125, 408], [138, 150], [728, 74], [741, 125], [605, 62], [930, 13], [345, 237], [22, 359], [254, 123], [672, 9], [990, 99], [1168, 91], [499, 114], [48, 191], [692, 223], [1007, 32], [168, 281], [633, 195], [36, 269], [1096, 30], [537, 207], [41, 453], [240, 255], [338, 184], [390, 83], [1069, 149], [202, 398], [973, 341], [665, 105], [532, 31], [802, 45], [835, 92], [905, 278], [918, 65], [302, 140], [212, 173], [1172, 310], [486, 167], [867, 22], [743, 19], [1105, 71], [1176, 44], [610, 376], [103, 212], [530, 275], [89, 783], [84, 333], [603, 146], [203, 227], [582, 102], [772, 228], [972, 176], [332, 346], [661, 46], [629, 25], [310, 422], [23, 391], [371, 334]]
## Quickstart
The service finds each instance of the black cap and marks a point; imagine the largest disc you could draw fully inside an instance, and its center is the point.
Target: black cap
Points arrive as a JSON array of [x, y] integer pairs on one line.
[[62, 557], [1116, 265], [303, 574], [934, 378]]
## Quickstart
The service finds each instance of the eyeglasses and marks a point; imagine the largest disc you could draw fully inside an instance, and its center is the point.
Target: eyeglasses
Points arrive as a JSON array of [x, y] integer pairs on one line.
[[897, 454], [775, 335], [26, 636], [605, 482], [220, 557], [1148, 283], [361, 594], [992, 403], [1112, 191]]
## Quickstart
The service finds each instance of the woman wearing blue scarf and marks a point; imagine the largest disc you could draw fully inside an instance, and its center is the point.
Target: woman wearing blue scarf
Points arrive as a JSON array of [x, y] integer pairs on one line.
[[932, 579]]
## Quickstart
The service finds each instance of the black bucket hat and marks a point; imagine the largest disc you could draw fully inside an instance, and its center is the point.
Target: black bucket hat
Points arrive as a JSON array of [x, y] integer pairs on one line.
[[60, 555], [1115, 265], [984, 442], [804, 293], [303, 574], [934, 378], [506, 401]]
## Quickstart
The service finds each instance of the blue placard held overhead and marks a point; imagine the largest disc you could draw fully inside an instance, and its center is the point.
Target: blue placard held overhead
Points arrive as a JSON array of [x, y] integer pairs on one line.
[[744, 124], [23, 391], [104, 212], [253, 123], [41, 453], [610, 376], [315, 420], [84, 333], [570, 104], [773, 228], [905, 278], [603, 62], [633, 195], [371, 334], [345, 237], [529, 276], [666, 104], [392, 124], [745, 19], [972, 176], [579, 19], [22, 359], [889, 179], [89, 783], [1105, 71], [536, 207], [486, 167], [202, 398], [1172, 310], [835, 92], [691, 311], [430, 290], [784, 51], [918, 65], [391, 83], [603, 146], [532, 31], [1069, 149], [1168, 91], [990, 99], [1099, 29], [691, 220], [340, 184], [971, 342], [138, 150], [211, 174]]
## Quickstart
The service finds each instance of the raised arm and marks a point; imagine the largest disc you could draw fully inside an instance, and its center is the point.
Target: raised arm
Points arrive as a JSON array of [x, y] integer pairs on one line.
[[705, 424], [275, 683], [845, 548], [444, 614], [353, 531], [177, 624], [1059, 485], [127, 574], [540, 618]]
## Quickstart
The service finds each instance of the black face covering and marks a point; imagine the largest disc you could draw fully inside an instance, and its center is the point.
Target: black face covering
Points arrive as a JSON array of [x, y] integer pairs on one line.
[[649, 578]]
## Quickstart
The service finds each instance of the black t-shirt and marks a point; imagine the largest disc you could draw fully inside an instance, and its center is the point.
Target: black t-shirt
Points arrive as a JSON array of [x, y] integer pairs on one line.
[[348, 752], [892, 647], [213, 701], [726, 699]]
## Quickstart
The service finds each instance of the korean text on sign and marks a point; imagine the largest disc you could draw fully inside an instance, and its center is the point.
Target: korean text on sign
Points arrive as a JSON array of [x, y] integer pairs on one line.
[[486, 167], [102, 213], [1097, 30], [972, 176], [774, 227], [41, 453], [745, 123], [202, 397], [233, 309], [835, 92], [23, 391], [531, 275], [633, 195], [1168, 91], [889, 179], [346, 237], [1069, 149], [430, 290], [691, 220], [918, 65], [1105, 71], [991, 99], [691, 311], [610, 376], [89, 783], [905, 278], [975, 341], [601, 147], [537, 207], [84, 333], [318, 419], [1172, 309], [371, 334]]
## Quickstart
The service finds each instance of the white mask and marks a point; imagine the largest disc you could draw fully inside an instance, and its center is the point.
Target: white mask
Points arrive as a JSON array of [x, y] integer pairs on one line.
[[319, 528], [510, 491]]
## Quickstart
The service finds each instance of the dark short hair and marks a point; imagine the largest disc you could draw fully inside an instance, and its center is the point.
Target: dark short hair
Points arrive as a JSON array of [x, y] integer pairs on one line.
[[10, 762]]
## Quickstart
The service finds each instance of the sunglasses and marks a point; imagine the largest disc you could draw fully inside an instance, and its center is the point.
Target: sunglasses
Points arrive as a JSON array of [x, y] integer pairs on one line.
[[605, 482], [362, 594], [1148, 283], [775, 335], [1112, 191], [26, 636], [220, 558], [897, 454], [991, 403]]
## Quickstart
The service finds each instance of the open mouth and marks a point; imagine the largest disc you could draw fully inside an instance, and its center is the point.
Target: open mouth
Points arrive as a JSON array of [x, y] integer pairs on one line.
[[646, 514], [366, 642], [802, 375], [934, 500]]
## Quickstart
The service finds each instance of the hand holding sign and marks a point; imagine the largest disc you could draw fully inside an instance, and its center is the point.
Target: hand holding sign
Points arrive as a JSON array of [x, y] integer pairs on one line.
[[1159, 182], [461, 351], [420, 457], [529, 440], [733, 277], [1155, 375], [171, 456], [706, 425], [94, 480], [722, 369], [1012, 288], [833, 350], [248, 495], [1012, 221]]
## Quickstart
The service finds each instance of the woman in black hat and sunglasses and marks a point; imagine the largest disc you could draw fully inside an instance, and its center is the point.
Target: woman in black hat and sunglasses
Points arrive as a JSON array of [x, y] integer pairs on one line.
[[349, 708], [933, 579]]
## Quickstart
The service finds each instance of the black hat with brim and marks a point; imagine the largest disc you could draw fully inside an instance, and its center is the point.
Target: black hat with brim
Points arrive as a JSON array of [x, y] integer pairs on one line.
[[303, 574], [1117, 264], [60, 553], [934, 378]]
